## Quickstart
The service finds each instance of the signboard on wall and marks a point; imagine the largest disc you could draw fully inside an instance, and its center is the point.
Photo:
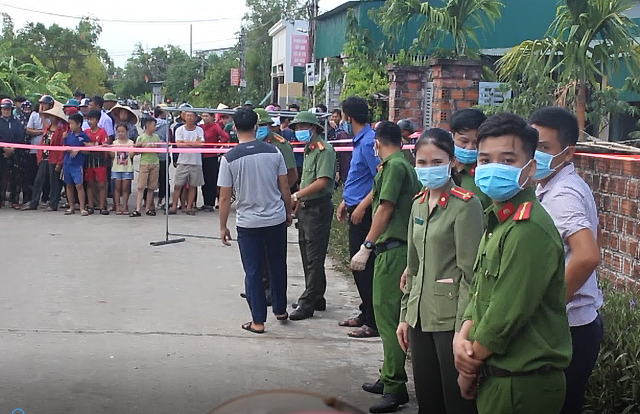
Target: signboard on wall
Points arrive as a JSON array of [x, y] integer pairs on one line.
[[299, 50], [235, 76]]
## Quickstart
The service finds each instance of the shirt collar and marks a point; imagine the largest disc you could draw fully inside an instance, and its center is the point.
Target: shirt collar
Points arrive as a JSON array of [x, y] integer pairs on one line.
[[469, 169], [506, 209], [559, 177], [362, 133]]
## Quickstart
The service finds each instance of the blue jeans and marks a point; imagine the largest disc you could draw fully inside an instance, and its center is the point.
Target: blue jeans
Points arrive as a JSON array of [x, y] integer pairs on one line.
[[253, 244]]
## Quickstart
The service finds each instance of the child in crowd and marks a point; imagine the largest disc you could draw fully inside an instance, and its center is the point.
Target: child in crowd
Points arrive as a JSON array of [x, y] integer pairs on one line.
[[122, 170], [73, 163], [149, 168], [96, 164]]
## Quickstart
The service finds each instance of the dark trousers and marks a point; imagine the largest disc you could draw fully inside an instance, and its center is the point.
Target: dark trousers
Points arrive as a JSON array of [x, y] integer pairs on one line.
[[162, 181], [435, 375], [210, 167], [586, 341], [314, 228], [253, 242], [364, 279], [46, 173], [29, 177]]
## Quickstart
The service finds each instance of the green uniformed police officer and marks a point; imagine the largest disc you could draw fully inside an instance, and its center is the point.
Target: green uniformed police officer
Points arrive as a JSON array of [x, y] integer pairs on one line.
[[264, 133], [314, 210], [515, 340], [445, 228], [394, 186], [464, 127]]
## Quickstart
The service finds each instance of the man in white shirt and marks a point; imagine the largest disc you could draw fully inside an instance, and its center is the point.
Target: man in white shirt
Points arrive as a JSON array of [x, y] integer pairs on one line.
[[189, 169]]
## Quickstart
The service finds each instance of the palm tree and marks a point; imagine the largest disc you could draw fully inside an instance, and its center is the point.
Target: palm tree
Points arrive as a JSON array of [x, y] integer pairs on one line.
[[588, 40], [460, 19]]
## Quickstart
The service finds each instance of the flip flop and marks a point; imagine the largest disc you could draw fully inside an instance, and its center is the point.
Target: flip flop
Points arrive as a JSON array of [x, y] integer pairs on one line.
[[151, 213], [119, 213], [364, 332], [283, 317], [69, 212], [135, 214], [84, 213], [247, 327], [104, 212], [351, 323]]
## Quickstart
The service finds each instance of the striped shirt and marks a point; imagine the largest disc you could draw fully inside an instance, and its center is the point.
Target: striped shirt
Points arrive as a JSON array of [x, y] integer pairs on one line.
[[569, 201]]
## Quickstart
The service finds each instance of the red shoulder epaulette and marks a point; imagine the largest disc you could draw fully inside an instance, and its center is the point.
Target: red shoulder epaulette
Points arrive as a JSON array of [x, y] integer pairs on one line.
[[415, 197], [523, 212], [321, 146], [279, 138], [461, 193]]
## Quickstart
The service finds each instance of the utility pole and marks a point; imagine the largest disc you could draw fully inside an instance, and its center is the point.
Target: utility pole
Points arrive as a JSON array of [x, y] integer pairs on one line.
[[191, 40], [243, 50], [313, 18]]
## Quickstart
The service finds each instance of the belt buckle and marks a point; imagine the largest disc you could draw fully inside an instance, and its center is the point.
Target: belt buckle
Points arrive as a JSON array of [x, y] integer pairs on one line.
[[485, 371]]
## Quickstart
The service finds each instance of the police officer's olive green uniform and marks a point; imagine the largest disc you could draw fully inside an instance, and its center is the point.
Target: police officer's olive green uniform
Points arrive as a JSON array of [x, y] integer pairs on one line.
[[442, 248], [396, 181], [517, 306], [467, 175], [314, 220], [285, 148]]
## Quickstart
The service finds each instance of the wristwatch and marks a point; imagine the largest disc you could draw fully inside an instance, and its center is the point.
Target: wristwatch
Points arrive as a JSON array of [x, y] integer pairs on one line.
[[368, 245], [295, 196]]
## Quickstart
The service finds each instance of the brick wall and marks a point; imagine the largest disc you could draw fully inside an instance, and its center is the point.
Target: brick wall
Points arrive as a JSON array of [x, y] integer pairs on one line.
[[455, 86], [615, 181], [406, 92]]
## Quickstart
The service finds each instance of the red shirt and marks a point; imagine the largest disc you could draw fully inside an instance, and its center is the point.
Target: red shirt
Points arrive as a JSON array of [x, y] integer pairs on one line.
[[100, 136], [213, 134], [97, 159]]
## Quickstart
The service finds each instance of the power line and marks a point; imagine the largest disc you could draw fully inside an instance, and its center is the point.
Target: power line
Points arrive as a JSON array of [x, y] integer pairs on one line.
[[120, 20]]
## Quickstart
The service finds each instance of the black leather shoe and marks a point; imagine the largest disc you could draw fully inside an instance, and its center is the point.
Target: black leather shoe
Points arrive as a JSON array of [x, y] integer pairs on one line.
[[321, 306], [390, 402], [300, 314], [374, 388]]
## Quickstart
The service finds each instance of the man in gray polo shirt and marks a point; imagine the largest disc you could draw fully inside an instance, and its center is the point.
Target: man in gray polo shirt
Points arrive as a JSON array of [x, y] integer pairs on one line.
[[569, 201], [257, 172]]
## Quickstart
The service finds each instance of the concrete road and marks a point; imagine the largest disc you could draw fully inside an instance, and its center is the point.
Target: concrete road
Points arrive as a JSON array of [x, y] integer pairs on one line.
[[95, 320]]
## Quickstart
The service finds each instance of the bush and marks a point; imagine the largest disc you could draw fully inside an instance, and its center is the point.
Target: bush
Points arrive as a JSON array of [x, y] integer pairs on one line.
[[339, 240], [614, 386]]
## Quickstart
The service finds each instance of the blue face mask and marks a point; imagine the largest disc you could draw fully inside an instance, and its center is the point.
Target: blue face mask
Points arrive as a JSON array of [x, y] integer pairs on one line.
[[466, 156], [434, 177], [348, 128], [544, 161], [303, 135], [499, 181], [262, 133]]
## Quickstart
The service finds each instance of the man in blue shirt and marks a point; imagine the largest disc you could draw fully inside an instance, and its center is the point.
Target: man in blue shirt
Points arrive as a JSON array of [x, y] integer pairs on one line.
[[356, 209]]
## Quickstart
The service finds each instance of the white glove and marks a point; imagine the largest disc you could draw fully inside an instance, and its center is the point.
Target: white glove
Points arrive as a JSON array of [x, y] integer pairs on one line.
[[359, 260]]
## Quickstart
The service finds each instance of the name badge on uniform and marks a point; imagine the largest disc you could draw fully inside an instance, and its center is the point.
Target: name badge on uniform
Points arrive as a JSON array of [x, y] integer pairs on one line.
[[418, 221]]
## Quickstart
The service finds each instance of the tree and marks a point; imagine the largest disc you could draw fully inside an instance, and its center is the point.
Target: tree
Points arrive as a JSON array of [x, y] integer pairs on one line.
[[261, 16], [587, 42], [456, 19], [364, 71], [216, 87], [31, 79]]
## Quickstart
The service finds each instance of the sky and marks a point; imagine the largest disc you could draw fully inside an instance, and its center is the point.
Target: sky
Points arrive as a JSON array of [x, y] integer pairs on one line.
[[214, 25]]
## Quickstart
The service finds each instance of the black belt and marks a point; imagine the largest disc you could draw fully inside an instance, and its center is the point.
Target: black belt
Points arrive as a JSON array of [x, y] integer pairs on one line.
[[388, 245], [316, 202], [491, 371]]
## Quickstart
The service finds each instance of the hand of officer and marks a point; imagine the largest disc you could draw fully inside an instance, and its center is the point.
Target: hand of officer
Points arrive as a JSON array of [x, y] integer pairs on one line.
[[359, 260], [463, 357], [403, 336], [468, 387], [289, 220], [403, 280], [225, 236], [357, 215], [341, 212]]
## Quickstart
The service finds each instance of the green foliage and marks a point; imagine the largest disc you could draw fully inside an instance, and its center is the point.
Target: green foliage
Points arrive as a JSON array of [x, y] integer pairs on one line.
[[614, 385], [31, 79], [339, 245], [216, 87], [458, 20], [364, 71]]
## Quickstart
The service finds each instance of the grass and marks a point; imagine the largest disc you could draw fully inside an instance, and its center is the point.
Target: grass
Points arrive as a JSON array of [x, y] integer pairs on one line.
[[339, 240]]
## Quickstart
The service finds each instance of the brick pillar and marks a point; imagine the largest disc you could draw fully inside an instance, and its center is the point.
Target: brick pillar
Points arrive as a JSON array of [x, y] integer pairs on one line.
[[455, 86], [406, 92]]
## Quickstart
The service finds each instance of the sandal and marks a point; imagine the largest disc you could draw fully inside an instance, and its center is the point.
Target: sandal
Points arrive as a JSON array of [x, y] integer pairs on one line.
[[119, 213], [90, 210], [283, 317], [69, 212], [172, 212], [352, 323], [364, 332], [191, 212], [84, 213], [104, 212], [247, 327], [135, 214], [151, 213]]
